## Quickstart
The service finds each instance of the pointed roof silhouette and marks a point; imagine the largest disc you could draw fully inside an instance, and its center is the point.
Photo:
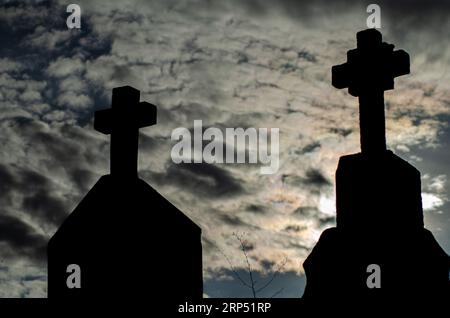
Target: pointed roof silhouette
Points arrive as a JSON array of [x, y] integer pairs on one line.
[[127, 239]]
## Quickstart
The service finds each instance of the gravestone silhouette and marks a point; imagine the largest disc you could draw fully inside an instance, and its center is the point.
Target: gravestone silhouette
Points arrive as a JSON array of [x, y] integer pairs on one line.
[[378, 201], [128, 241]]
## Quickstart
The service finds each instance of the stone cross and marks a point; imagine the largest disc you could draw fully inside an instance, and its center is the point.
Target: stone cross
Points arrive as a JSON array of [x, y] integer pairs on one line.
[[122, 121], [369, 71]]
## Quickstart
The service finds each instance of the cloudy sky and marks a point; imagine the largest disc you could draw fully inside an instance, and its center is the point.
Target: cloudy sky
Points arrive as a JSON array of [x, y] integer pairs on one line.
[[230, 64]]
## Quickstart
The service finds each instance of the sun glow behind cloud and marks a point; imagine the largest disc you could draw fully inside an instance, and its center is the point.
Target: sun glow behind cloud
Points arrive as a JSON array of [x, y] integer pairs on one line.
[[431, 201]]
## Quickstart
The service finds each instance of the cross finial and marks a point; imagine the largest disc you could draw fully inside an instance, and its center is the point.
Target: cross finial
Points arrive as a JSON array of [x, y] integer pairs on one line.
[[122, 121], [369, 71]]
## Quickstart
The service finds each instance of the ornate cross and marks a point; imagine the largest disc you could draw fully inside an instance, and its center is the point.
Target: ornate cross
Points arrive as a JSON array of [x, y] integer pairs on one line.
[[369, 71], [122, 121]]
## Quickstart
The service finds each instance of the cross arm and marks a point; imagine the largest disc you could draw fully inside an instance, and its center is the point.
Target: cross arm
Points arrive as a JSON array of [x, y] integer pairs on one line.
[[371, 67], [145, 114]]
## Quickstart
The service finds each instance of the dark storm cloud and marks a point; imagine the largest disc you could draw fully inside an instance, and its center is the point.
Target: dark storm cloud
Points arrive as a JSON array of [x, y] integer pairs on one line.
[[309, 148], [66, 147], [416, 13], [38, 200], [341, 131], [34, 199], [413, 12], [29, 180], [295, 9], [201, 178], [313, 178], [57, 148], [7, 183], [306, 211], [20, 15], [32, 27], [406, 9], [232, 220], [81, 178], [43, 205], [256, 209], [308, 56], [402, 18], [312, 213], [327, 221], [18, 239], [208, 245], [295, 228], [148, 143], [266, 264]]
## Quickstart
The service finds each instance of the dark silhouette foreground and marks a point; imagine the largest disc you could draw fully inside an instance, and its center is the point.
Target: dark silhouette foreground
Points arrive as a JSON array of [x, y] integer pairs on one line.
[[129, 242], [378, 201]]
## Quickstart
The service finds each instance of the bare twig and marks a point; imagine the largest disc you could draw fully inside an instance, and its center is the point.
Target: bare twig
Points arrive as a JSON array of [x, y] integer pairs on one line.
[[275, 274], [249, 267], [243, 246], [233, 269], [277, 292]]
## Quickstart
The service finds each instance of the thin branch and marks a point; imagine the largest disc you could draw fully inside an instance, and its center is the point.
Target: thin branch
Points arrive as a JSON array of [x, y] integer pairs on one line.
[[275, 274], [249, 267], [277, 293], [252, 284], [233, 269]]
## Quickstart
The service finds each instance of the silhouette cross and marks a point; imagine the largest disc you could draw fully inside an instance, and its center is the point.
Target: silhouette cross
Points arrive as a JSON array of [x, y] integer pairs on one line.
[[369, 71], [122, 121]]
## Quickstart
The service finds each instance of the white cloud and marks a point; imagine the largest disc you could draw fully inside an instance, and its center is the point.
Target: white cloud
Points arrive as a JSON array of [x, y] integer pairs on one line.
[[431, 201]]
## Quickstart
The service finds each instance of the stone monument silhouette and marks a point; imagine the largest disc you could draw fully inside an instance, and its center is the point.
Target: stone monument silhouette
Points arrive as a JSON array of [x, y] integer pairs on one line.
[[124, 240], [378, 201]]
